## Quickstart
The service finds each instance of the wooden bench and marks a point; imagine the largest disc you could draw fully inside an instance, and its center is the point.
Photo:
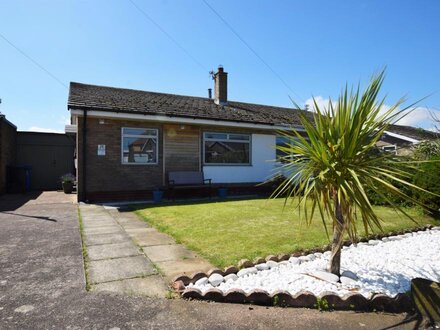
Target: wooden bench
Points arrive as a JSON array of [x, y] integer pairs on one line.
[[187, 180]]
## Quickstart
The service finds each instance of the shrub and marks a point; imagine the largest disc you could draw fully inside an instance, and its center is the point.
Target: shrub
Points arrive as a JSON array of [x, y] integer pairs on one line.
[[427, 150], [376, 199], [67, 178], [429, 179]]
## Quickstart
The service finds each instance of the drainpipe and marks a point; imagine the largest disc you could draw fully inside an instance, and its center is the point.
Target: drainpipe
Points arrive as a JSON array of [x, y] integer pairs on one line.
[[84, 155]]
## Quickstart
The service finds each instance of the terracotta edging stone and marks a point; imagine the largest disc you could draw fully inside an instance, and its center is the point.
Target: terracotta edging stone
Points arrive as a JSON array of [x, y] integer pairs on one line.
[[402, 302]]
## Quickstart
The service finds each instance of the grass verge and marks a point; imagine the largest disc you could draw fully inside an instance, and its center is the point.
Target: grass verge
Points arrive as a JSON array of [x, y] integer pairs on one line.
[[226, 231]]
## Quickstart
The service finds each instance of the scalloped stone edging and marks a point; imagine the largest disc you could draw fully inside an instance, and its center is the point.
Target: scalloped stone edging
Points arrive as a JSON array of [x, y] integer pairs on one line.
[[354, 301], [402, 302]]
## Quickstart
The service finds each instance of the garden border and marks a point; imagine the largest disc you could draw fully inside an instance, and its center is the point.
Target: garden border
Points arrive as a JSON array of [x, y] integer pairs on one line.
[[402, 302]]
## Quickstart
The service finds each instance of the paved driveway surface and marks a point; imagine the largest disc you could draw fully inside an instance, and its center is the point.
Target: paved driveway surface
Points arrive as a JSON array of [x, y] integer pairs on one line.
[[42, 285]]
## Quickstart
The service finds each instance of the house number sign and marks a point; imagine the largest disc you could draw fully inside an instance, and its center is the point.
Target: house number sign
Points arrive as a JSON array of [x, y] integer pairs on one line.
[[101, 149]]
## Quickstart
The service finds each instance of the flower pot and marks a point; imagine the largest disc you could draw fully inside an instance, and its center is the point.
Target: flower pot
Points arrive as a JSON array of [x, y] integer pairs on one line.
[[157, 196], [222, 192], [67, 187]]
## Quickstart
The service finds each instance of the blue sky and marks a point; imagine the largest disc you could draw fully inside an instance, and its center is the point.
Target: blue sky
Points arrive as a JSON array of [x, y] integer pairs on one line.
[[315, 46]]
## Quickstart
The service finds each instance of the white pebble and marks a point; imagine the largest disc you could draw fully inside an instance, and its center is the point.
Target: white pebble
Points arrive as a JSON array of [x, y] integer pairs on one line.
[[215, 279], [262, 266], [247, 271], [386, 267], [202, 281], [272, 264], [294, 261], [232, 277]]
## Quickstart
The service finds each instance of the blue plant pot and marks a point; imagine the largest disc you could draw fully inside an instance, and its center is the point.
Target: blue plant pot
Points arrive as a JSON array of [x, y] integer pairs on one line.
[[157, 196], [222, 192]]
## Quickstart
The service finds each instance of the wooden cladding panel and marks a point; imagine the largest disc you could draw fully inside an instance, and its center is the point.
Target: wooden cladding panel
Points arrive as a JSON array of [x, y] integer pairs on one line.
[[182, 148]]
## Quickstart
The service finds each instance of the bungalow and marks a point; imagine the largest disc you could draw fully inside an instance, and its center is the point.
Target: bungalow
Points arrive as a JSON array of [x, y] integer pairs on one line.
[[128, 141]]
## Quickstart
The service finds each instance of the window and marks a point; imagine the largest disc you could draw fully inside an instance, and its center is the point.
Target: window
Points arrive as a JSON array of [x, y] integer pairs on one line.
[[227, 148], [139, 146], [390, 148], [286, 142]]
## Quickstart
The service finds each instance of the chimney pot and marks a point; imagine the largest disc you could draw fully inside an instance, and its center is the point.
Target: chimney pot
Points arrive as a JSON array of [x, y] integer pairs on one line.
[[221, 86], [210, 93]]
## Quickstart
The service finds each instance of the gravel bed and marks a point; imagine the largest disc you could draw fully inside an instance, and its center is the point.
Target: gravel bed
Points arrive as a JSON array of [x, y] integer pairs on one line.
[[380, 266]]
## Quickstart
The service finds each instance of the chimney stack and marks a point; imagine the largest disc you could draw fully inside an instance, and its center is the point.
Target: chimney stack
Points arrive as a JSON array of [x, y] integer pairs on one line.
[[221, 86]]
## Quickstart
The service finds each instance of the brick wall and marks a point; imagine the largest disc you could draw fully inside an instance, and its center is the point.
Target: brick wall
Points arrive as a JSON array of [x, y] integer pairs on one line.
[[8, 147], [106, 176], [108, 179]]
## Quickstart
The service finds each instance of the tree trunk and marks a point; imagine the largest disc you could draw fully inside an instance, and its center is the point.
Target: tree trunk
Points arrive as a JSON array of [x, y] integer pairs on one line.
[[338, 233]]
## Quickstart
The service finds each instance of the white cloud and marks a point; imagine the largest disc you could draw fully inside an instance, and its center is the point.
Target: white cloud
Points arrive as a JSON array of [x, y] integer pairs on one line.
[[323, 103], [64, 120], [43, 130], [419, 117]]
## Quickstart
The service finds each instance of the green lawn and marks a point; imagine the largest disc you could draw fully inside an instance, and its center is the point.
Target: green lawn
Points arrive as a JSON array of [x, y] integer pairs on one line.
[[226, 231]]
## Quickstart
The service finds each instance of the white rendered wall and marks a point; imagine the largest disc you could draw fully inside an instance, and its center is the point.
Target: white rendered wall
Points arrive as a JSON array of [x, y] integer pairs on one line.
[[263, 156]]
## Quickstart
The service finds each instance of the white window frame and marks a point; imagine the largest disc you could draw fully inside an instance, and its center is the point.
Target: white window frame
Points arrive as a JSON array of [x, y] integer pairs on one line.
[[249, 141], [388, 148], [140, 136]]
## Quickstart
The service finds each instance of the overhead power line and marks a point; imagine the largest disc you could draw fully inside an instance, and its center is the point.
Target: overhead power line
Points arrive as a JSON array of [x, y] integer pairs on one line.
[[178, 44], [33, 61], [252, 49]]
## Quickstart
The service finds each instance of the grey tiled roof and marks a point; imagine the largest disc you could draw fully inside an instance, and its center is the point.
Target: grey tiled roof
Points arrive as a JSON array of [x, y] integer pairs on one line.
[[135, 101], [413, 132], [84, 96]]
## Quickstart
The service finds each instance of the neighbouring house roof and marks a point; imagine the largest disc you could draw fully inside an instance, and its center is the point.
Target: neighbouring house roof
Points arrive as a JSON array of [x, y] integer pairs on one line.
[[122, 100], [7, 122], [413, 132]]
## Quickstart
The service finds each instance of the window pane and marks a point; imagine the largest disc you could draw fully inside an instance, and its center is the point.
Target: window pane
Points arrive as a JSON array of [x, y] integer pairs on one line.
[[139, 150], [286, 142], [139, 131], [220, 152], [239, 137], [282, 141], [217, 136]]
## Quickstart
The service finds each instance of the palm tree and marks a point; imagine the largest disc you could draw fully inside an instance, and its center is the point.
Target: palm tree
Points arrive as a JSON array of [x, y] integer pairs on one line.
[[334, 163]]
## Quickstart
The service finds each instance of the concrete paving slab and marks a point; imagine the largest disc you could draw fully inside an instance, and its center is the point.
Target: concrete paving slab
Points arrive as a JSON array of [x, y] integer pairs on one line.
[[150, 286], [171, 252], [103, 230], [131, 220], [98, 239], [139, 231], [119, 269], [133, 224], [129, 216], [102, 220], [172, 268], [109, 251], [100, 224], [86, 216], [93, 212], [151, 238]]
